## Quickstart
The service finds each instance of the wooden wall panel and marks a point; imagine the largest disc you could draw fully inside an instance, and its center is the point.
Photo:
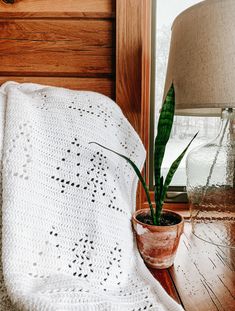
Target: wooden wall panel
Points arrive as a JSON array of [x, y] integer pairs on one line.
[[76, 43], [133, 62], [58, 8], [56, 47], [83, 32], [128, 62], [104, 86], [61, 43]]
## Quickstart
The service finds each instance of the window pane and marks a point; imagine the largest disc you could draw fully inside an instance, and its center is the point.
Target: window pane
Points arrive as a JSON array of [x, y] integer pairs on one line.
[[184, 127]]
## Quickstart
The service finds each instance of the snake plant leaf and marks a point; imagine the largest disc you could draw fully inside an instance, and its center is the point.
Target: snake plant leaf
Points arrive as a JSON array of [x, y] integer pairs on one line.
[[163, 134], [161, 184], [158, 202], [173, 169], [138, 173]]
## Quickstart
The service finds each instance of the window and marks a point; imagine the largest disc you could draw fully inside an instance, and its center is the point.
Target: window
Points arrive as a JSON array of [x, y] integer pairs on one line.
[[184, 126]]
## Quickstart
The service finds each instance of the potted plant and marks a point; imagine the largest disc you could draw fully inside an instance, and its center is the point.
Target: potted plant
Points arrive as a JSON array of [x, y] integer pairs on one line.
[[158, 230]]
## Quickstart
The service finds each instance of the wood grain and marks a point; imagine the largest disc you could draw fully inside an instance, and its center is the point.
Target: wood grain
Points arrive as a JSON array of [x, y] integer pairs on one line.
[[133, 58], [54, 47], [104, 86], [128, 60], [58, 8], [204, 274], [82, 31], [146, 84]]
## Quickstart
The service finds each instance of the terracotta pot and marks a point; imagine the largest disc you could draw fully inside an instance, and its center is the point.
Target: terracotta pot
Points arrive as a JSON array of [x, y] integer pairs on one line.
[[158, 244]]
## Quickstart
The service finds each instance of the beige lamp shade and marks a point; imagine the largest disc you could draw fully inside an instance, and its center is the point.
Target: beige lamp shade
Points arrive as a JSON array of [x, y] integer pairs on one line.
[[202, 58]]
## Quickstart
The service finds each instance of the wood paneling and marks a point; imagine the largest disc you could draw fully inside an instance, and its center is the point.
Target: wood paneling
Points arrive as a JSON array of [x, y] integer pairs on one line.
[[133, 62], [83, 32], [146, 7], [56, 47], [58, 8], [62, 43], [72, 44], [128, 60], [133, 65], [38, 59], [102, 85]]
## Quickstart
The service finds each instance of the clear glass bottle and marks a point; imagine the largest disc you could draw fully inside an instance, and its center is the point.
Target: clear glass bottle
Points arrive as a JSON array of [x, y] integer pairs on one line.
[[211, 185]]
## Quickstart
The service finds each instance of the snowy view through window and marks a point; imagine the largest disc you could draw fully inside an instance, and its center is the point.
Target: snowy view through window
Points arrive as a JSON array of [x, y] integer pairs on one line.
[[184, 127]]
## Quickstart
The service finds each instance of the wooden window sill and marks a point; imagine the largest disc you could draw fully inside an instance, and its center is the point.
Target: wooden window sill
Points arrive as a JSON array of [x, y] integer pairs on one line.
[[182, 208]]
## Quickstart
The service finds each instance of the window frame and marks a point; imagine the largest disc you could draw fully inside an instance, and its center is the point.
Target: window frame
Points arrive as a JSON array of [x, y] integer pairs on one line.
[[175, 194]]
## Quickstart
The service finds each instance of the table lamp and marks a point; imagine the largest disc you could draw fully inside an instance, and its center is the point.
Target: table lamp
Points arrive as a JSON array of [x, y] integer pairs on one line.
[[201, 66]]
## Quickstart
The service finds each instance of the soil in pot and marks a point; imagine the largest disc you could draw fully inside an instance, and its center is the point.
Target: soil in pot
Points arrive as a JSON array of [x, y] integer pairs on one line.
[[166, 219]]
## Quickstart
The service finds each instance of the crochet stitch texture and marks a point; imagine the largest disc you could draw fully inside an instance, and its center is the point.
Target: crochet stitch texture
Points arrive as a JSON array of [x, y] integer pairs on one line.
[[67, 241]]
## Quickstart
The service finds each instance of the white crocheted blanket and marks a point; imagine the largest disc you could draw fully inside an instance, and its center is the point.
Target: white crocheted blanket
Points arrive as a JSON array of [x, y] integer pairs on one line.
[[67, 241]]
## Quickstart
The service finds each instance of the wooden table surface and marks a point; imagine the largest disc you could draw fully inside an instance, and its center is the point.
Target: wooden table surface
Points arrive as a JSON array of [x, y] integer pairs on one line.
[[202, 277]]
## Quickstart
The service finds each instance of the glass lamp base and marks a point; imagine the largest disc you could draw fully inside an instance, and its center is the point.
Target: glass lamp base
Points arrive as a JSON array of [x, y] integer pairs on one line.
[[211, 186], [214, 221]]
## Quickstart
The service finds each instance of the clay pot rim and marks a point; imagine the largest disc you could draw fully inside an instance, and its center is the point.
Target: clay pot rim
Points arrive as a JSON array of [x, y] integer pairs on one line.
[[147, 211]]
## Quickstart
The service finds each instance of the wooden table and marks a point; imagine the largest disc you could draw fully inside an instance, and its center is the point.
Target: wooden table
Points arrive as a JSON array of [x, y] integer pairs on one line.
[[203, 275]]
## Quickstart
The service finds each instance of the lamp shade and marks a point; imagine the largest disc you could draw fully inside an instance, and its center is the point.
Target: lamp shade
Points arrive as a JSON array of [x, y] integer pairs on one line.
[[202, 58]]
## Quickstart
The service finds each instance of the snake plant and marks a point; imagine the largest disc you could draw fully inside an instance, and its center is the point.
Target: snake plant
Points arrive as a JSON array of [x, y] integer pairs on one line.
[[163, 134]]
